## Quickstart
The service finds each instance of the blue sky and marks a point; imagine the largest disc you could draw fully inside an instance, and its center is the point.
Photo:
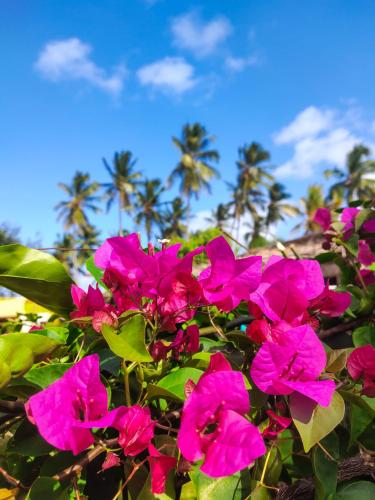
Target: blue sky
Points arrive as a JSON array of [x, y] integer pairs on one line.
[[81, 79]]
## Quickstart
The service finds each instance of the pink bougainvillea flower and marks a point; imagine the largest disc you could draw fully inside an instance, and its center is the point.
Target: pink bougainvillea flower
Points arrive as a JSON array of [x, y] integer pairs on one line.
[[365, 255], [135, 426], [368, 277], [136, 429], [77, 396], [186, 341], [369, 226], [259, 331], [323, 218], [159, 350], [277, 424], [177, 300], [35, 328], [348, 217], [133, 267], [228, 280], [132, 274], [92, 304], [212, 425], [293, 364], [361, 365], [286, 288], [331, 303], [111, 460], [160, 466]]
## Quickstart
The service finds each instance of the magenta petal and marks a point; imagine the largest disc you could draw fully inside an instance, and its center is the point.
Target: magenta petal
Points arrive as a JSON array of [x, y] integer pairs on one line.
[[323, 218], [361, 362], [160, 465], [267, 367], [222, 262], [136, 429], [320, 391], [57, 410], [236, 445], [218, 363], [210, 395], [369, 226], [365, 255]]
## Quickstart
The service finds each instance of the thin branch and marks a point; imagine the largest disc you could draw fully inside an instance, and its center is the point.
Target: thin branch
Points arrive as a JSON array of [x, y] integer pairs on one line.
[[350, 468], [11, 480], [63, 249], [342, 327], [12, 407], [75, 469]]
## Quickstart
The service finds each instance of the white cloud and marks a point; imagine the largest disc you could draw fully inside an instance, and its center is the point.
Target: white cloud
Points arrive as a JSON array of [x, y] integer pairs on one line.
[[171, 74], [238, 64], [70, 59], [310, 122], [319, 138], [191, 33]]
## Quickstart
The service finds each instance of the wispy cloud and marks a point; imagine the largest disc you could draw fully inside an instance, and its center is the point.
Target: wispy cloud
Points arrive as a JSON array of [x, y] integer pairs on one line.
[[238, 64], [171, 74], [70, 59], [319, 137], [190, 32]]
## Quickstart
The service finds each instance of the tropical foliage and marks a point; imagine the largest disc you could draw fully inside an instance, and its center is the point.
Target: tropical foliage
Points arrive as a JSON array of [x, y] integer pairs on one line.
[[231, 379]]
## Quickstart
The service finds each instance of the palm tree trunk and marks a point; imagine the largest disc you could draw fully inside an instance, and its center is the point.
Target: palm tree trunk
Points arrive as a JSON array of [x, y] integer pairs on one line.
[[188, 214], [120, 231]]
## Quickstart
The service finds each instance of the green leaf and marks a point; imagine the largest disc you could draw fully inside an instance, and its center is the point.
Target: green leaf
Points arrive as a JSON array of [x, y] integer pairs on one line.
[[359, 490], [37, 276], [46, 487], [59, 333], [360, 419], [325, 469], [43, 376], [95, 272], [129, 344], [175, 381], [155, 392], [364, 335], [367, 404], [362, 217], [336, 360], [28, 442], [19, 351], [188, 491], [222, 488], [352, 245], [316, 422], [325, 257]]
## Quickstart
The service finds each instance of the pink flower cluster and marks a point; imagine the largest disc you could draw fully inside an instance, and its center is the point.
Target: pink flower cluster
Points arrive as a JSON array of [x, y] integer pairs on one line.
[[348, 217], [286, 298], [67, 410]]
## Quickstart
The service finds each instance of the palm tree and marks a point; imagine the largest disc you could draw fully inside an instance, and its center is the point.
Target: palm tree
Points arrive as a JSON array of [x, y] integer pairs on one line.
[[219, 216], [356, 183], [82, 197], [148, 205], [254, 237], [194, 170], [277, 209], [123, 184], [175, 216], [310, 203], [248, 194]]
